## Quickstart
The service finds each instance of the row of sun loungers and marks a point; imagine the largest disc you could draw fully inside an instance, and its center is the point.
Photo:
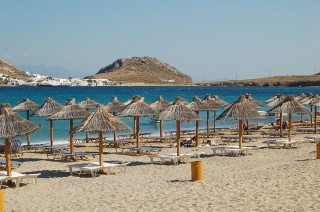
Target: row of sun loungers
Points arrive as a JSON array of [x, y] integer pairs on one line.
[[67, 156], [174, 158]]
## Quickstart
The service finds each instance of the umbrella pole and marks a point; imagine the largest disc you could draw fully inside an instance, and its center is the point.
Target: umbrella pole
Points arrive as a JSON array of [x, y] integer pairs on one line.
[[214, 120], [114, 137], [301, 118], [137, 129], [280, 120], [100, 149], [51, 132], [134, 127], [290, 125], [197, 130], [71, 136], [28, 136], [311, 115], [161, 128], [178, 137], [87, 137], [248, 127], [8, 156], [315, 119], [240, 133], [208, 123]]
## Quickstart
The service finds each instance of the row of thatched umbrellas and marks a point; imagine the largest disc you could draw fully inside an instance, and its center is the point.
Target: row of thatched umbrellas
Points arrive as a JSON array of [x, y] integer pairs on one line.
[[100, 121]]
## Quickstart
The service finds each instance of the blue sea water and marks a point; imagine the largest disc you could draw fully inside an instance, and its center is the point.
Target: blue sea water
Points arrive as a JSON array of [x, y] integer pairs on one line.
[[15, 95]]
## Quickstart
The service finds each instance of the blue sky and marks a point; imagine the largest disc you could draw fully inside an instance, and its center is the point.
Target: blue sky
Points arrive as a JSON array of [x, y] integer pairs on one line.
[[206, 39]]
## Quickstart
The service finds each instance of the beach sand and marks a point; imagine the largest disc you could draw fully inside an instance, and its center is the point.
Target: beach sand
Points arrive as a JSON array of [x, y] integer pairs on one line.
[[267, 180]]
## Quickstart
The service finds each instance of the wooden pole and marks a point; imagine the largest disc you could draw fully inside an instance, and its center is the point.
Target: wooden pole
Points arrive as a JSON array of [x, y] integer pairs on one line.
[[161, 132], [51, 132], [214, 120], [100, 149], [315, 119], [208, 123], [71, 136], [248, 127], [240, 133], [137, 130], [8, 156], [311, 115], [87, 137], [290, 125], [114, 137], [134, 127], [280, 120], [178, 136], [28, 136], [197, 130], [318, 150]]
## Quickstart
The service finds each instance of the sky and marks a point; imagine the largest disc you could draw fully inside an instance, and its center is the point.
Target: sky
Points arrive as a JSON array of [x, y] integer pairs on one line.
[[206, 39]]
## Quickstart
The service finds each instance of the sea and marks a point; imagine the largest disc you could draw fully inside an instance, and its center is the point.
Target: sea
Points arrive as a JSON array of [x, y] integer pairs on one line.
[[103, 95]]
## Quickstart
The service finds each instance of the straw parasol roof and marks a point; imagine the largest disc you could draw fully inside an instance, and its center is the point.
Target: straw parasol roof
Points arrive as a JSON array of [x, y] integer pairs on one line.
[[179, 101], [289, 105], [198, 105], [88, 103], [114, 106], [70, 111], [307, 99], [159, 104], [26, 105], [242, 109], [11, 126], [300, 97], [275, 100], [216, 101], [252, 101], [100, 122], [179, 113], [49, 107], [136, 108]]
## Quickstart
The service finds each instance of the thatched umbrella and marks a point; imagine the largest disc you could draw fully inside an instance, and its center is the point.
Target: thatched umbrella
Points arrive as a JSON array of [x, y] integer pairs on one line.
[[70, 112], [88, 104], [114, 106], [308, 100], [242, 109], [179, 113], [101, 122], [159, 105], [300, 97], [136, 108], [214, 102], [26, 105], [277, 99], [49, 107], [197, 105], [289, 105], [11, 126]]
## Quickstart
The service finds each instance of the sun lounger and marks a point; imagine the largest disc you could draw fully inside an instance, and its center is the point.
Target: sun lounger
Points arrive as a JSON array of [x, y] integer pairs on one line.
[[65, 156], [233, 150], [283, 143], [142, 150], [34, 177], [174, 158], [13, 163], [85, 168], [109, 168], [17, 177]]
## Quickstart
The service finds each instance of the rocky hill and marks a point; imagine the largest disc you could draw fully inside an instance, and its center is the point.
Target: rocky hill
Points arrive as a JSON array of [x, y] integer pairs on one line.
[[9, 70], [289, 81], [144, 70]]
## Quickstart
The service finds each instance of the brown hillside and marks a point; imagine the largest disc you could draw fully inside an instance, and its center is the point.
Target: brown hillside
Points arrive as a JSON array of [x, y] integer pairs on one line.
[[291, 81], [141, 70], [9, 70]]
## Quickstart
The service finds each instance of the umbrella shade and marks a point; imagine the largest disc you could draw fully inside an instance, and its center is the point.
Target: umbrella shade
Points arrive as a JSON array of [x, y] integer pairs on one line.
[[49, 107], [216, 101], [198, 105], [88, 103], [136, 108], [114, 106], [242, 109], [178, 113], [13, 125], [100, 122], [289, 105], [159, 104], [300, 97], [275, 100], [26, 105], [70, 112], [252, 101]]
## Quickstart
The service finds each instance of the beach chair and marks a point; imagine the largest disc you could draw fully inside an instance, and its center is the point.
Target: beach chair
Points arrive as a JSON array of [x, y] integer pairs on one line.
[[15, 148], [34, 177]]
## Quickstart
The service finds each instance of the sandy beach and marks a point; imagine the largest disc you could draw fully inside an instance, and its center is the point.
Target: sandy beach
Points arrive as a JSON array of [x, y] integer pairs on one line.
[[267, 180]]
